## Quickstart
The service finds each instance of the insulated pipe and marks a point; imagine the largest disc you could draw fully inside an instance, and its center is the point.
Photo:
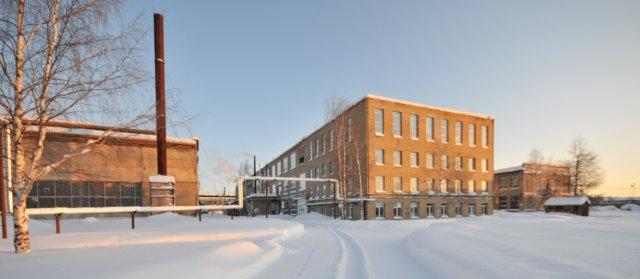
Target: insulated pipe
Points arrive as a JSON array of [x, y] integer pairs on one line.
[[129, 209]]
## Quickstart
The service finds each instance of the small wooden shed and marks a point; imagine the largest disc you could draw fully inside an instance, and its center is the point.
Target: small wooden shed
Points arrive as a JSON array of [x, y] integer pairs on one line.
[[575, 205]]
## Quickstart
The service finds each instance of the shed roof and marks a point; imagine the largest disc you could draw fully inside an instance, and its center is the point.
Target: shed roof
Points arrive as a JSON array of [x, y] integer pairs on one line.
[[567, 201], [511, 169]]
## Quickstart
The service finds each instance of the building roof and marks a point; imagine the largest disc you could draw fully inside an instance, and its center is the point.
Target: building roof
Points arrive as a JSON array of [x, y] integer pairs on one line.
[[84, 128], [372, 96], [567, 201], [511, 169]]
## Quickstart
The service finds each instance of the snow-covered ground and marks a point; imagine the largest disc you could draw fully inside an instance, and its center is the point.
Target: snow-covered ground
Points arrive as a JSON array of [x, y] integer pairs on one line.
[[524, 245]]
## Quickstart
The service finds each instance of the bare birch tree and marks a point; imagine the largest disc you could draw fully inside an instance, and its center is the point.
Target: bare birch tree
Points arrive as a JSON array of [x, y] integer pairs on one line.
[[584, 167], [59, 59], [347, 151]]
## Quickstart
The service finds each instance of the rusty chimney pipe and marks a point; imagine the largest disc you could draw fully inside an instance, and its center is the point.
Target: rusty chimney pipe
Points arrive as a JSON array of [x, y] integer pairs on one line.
[[161, 122]]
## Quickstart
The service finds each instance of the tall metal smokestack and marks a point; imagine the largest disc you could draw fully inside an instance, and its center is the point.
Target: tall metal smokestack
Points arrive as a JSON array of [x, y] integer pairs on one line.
[[161, 122]]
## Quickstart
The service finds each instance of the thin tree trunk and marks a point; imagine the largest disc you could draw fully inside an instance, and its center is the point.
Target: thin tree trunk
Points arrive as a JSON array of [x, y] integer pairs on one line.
[[21, 239]]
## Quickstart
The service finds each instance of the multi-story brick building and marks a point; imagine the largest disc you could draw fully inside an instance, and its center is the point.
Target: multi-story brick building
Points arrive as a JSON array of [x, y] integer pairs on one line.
[[528, 186], [400, 160]]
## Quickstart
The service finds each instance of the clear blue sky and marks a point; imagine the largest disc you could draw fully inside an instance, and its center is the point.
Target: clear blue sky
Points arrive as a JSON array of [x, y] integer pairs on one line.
[[256, 73]]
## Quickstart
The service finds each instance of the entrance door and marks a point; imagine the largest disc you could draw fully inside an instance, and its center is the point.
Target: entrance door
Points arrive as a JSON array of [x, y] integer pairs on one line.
[[302, 206]]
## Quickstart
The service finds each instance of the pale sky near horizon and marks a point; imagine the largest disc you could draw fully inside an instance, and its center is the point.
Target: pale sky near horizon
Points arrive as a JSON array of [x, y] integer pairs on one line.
[[255, 74]]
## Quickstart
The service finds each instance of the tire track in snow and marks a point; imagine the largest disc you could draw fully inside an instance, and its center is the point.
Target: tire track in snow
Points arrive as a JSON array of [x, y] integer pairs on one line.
[[305, 261], [354, 262]]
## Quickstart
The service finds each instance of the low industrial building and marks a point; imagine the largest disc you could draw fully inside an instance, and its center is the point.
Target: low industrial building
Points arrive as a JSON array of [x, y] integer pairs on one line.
[[574, 205], [114, 173], [528, 186]]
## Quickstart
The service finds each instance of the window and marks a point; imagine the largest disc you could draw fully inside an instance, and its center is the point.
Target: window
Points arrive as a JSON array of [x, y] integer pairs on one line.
[[350, 211], [458, 163], [397, 210], [459, 132], [323, 147], [292, 160], [413, 159], [472, 134], [472, 164], [458, 210], [414, 184], [504, 183], [413, 126], [430, 184], [60, 193], [330, 139], [317, 149], [310, 151], [483, 186], [484, 166], [515, 202], [397, 184], [471, 186], [515, 181], [485, 136], [273, 170], [397, 124], [444, 131], [379, 183], [430, 128], [472, 209], [324, 170], [397, 158], [285, 165], [444, 162], [429, 209], [444, 210], [443, 186], [429, 161], [380, 210], [414, 210], [379, 156], [485, 208], [349, 130], [458, 186], [331, 168], [379, 121], [303, 184]]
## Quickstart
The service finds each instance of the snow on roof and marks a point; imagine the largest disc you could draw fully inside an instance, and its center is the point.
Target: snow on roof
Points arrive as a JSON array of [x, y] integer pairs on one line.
[[511, 169], [109, 134], [567, 201], [372, 96]]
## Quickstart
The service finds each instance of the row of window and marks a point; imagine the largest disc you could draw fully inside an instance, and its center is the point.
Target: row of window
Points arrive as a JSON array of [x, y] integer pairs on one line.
[[317, 148], [414, 160], [444, 185], [512, 181], [414, 209], [414, 131]]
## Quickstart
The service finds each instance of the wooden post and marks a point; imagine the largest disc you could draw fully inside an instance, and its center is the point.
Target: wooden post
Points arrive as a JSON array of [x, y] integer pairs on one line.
[[58, 222], [199, 215], [133, 220]]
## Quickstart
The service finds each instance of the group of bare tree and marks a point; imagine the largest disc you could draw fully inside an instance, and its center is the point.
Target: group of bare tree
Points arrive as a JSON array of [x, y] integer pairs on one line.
[[348, 150], [584, 166], [59, 59]]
